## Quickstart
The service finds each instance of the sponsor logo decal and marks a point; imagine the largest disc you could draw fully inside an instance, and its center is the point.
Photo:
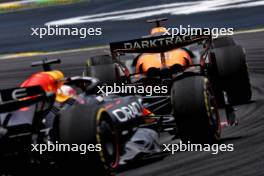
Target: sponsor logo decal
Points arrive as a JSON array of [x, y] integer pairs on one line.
[[130, 111]]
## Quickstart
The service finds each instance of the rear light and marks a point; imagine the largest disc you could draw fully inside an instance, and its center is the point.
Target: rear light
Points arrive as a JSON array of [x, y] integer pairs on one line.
[[24, 109]]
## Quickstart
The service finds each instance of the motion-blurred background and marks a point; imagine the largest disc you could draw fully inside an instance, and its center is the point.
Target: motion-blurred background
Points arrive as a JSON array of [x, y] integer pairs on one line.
[[119, 20]]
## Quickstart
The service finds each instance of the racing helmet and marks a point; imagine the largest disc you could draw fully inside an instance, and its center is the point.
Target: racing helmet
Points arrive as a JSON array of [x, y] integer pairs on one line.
[[64, 93], [158, 31]]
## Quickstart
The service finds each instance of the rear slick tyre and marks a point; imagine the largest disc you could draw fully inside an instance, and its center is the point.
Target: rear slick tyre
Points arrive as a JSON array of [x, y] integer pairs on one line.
[[103, 68], [195, 110], [232, 73]]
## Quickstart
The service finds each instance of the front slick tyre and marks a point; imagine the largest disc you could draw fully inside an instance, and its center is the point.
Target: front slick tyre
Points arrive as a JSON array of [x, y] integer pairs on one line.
[[89, 124], [195, 110]]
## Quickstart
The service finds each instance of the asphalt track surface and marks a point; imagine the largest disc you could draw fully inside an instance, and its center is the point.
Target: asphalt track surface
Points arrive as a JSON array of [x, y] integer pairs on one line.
[[16, 33], [247, 137]]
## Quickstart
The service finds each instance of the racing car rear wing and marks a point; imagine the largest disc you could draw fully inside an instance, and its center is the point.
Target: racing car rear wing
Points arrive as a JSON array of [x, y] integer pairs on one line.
[[16, 98], [156, 44]]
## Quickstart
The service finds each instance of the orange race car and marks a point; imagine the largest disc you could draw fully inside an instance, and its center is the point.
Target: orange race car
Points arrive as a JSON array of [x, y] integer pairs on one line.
[[202, 74], [169, 59]]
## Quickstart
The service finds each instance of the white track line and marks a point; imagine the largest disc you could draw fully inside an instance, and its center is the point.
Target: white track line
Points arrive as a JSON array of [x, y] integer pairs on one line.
[[178, 8]]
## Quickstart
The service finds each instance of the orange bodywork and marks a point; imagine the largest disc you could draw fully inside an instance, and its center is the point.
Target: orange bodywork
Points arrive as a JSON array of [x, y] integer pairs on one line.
[[49, 81], [153, 60]]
